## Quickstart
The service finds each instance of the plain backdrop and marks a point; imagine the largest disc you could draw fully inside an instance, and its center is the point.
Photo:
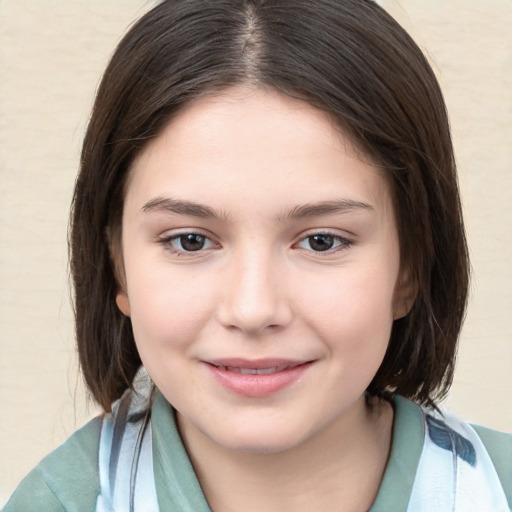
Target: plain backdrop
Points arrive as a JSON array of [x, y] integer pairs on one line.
[[52, 53]]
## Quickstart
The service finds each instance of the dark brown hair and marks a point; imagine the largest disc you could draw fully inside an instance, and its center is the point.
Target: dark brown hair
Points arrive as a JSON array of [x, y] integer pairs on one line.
[[347, 57]]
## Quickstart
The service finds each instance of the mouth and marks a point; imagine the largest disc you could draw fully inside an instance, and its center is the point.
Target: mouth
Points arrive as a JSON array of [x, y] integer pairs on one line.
[[257, 378], [254, 371]]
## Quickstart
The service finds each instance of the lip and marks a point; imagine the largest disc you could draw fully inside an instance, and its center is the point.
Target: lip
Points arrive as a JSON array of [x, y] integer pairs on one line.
[[258, 377]]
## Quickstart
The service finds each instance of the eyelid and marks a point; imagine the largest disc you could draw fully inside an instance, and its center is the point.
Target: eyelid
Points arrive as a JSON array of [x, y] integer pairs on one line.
[[345, 241], [166, 239]]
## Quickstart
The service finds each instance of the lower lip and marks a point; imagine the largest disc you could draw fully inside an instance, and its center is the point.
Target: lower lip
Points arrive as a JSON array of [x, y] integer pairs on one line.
[[260, 385]]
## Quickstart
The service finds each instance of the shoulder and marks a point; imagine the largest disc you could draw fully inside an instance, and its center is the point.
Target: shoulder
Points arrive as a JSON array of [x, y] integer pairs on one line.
[[456, 467], [482, 458], [495, 441], [499, 448], [66, 479]]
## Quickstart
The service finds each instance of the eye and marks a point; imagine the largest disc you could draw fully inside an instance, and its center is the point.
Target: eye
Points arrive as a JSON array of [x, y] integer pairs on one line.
[[323, 242], [186, 243]]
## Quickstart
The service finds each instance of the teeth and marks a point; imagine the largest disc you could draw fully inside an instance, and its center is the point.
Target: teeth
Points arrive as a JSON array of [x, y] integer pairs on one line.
[[253, 371], [260, 371]]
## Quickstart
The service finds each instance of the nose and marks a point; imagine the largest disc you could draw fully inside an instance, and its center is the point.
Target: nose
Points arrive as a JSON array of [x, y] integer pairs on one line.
[[254, 298]]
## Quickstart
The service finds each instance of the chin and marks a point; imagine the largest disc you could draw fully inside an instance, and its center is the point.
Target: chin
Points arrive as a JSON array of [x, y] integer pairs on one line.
[[262, 439]]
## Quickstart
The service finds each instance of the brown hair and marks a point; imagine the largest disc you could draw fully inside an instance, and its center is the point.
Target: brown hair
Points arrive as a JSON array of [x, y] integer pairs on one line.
[[347, 57]]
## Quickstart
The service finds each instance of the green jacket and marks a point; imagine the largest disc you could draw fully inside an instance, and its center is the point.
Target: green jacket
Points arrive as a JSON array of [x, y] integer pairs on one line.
[[67, 479]]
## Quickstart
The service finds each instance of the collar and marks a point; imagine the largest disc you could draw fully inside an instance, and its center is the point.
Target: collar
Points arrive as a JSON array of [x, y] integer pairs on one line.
[[178, 488]]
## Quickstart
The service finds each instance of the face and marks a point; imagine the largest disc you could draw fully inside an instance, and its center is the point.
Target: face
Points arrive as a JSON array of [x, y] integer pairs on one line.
[[262, 269]]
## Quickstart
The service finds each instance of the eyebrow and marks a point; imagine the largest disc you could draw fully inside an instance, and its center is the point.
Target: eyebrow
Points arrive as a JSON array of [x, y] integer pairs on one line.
[[180, 207], [325, 208]]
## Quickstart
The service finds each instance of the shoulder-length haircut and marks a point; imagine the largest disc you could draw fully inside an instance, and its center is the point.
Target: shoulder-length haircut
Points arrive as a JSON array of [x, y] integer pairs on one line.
[[347, 57]]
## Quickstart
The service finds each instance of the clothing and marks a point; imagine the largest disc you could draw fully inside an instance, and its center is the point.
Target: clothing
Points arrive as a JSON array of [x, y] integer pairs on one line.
[[429, 455]]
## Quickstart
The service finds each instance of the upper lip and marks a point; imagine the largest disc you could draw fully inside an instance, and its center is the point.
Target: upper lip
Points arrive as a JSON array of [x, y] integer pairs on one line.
[[256, 364]]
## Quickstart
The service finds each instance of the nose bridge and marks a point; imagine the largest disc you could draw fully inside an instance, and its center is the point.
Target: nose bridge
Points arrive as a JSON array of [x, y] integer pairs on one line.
[[254, 298]]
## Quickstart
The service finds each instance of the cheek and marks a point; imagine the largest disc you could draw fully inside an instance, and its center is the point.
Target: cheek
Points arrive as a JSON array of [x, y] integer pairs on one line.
[[353, 309], [168, 310]]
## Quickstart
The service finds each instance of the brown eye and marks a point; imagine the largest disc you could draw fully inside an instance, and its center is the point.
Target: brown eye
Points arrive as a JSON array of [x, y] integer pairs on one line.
[[192, 242], [321, 242], [187, 244], [324, 242]]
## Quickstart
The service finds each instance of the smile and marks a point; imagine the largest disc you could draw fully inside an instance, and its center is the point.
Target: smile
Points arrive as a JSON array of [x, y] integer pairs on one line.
[[257, 379], [254, 371]]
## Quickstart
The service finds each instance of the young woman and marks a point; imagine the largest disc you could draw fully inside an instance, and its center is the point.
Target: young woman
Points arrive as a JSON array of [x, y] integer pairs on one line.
[[267, 221]]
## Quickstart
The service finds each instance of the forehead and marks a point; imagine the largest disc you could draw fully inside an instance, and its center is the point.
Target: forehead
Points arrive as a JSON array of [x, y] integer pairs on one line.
[[254, 143]]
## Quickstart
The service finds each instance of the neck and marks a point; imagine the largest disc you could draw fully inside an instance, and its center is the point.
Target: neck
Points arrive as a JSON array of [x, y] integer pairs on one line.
[[340, 468]]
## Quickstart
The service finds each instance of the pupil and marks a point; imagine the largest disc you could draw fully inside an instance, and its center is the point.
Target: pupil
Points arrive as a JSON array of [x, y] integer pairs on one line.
[[192, 242], [321, 242]]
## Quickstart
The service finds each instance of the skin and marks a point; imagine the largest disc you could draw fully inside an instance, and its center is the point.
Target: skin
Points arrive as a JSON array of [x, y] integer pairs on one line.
[[258, 287]]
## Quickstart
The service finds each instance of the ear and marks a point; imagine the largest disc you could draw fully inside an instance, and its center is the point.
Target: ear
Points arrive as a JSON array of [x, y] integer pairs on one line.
[[123, 303], [406, 291]]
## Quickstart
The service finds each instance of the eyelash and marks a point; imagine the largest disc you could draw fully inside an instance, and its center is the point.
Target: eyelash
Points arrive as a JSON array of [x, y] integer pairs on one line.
[[343, 242], [168, 241]]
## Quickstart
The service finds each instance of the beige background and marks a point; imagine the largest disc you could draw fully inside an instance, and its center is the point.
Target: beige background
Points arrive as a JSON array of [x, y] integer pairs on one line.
[[51, 58]]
